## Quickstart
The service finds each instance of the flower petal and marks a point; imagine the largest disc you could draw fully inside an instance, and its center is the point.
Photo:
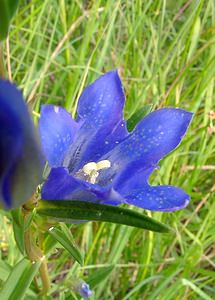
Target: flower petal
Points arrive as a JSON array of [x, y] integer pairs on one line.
[[84, 290], [134, 176], [21, 160], [60, 185], [57, 131], [102, 101], [154, 137], [158, 198], [100, 113], [81, 287]]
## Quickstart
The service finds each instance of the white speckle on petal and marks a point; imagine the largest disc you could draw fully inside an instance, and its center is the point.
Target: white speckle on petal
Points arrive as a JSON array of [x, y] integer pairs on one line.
[[186, 202], [56, 109]]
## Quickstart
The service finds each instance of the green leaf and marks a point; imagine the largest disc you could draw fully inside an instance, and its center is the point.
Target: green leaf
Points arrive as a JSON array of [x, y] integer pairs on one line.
[[4, 270], [18, 229], [49, 244], [100, 275], [65, 238], [69, 211], [7, 10], [137, 116], [19, 280]]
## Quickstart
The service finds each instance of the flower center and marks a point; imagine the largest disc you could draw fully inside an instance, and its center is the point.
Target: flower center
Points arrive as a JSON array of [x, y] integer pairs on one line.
[[90, 171]]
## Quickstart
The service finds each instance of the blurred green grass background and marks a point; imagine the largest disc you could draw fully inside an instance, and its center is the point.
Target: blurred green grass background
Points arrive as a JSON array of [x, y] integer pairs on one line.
[[165, 53]]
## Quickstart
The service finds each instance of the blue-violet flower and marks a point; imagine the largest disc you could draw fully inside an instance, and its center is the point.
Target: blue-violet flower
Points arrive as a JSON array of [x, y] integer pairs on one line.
[[84, 290], [21, 161], [95, 158], [81, 287]]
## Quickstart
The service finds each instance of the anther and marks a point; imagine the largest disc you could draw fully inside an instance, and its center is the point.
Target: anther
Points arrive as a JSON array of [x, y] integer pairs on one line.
[[103, 164], [88, 168], [90, 171]]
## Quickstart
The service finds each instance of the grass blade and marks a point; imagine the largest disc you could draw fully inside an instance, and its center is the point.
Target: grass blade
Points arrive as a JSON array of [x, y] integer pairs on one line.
[[19, 280], [65, 238]]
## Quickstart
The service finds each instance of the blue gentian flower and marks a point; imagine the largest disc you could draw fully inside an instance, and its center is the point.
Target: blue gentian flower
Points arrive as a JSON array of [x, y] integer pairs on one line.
[[21, 161], [84, 290], [81, 287], [94, 158]]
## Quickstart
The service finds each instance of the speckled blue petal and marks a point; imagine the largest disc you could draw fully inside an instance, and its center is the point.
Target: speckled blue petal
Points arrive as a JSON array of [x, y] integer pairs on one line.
[[60, 185], [134, 176], [57, 131], [102, 101], [158, 198], [100, 112], [21, 160], [154, 137]]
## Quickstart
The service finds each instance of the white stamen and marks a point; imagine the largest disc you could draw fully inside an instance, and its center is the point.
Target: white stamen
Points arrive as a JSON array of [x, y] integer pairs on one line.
[[103, 164], [93, 177], [88, 168]]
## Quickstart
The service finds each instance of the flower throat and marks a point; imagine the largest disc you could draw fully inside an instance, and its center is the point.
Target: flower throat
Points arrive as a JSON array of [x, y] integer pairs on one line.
[[90, 171]]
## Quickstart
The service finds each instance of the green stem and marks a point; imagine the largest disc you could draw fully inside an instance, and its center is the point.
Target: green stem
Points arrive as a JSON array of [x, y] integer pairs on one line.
[[45, 276], [35, 254], [2, 68]]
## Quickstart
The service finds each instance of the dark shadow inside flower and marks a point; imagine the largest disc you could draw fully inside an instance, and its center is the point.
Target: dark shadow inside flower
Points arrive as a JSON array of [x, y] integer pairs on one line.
[[95, 158]]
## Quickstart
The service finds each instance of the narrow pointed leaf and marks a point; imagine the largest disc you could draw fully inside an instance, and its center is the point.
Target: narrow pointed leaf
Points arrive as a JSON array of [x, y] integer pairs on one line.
[[99, 276], [137, 116], [19, 280], [69, 211], [49, 244], [5, 270], [7, 11], [18, 229], [18, 232], [65, 238]]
